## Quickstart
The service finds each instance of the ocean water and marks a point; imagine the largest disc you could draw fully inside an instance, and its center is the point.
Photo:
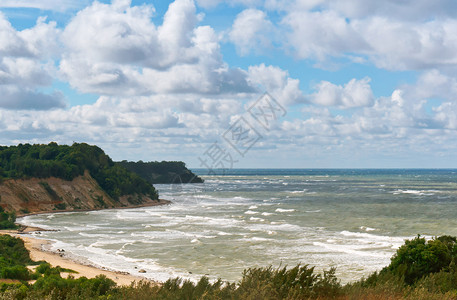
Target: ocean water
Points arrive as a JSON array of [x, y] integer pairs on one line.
[[353, 220]]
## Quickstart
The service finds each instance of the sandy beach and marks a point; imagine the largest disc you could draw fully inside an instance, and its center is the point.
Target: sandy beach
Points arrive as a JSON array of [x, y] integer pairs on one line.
[[37, 253]]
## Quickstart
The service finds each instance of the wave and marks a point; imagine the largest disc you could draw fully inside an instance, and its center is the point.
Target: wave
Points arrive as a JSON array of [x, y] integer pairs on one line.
[[94, 235], [223, 233], [352, 249], [284, 210], [297, 192], [374, 237], [273, 226], [367, 228], [415, 192]]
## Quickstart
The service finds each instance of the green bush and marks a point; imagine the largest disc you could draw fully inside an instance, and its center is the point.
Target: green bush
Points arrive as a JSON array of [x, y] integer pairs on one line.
[[13, 252], [44, 268], [15, 272], [282, 283], [7, 219], [418, 258], [70, 288]]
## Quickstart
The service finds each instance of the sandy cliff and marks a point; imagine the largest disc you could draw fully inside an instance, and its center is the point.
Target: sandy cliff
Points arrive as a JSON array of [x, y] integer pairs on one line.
[[53, 194]]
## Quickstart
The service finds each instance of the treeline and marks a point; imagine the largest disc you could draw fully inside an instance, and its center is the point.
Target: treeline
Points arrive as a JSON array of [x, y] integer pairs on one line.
[[420, 269], [162, 172], [67, 162]]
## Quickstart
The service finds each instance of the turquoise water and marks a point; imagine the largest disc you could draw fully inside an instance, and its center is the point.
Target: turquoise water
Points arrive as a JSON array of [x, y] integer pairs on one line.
[[353, 220]]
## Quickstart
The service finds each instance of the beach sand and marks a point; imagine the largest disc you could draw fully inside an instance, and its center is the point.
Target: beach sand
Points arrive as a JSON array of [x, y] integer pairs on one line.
[[37, 253]]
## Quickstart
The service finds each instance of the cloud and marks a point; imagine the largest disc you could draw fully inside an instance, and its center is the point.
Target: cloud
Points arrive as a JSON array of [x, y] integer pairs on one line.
[[14, 98], [11, 44], [213, 3], [393, 35], [252, 30], [117, 50], [355, 93], [25, 68], [320, 34], [446, 115], [410, 10], [54, 5], [165, 90], [400, 45], [277, 82]]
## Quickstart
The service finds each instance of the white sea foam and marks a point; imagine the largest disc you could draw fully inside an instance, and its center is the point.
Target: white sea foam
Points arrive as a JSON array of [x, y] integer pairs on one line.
[[351, 249], [95, 235], [75, 228], [251, 212], [415, 192], [284, 210], [373, 237], [298, 192], [223, 233], [367, 228]]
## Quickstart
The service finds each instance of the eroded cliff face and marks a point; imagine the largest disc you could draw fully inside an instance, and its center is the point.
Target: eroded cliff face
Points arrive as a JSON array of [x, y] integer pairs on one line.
[[53, 194]]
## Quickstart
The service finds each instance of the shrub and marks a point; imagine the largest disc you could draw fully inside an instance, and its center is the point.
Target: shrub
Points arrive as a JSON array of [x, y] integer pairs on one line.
[[7, 219], [15, 272], [295, 283], [13, 252], [418, 258]]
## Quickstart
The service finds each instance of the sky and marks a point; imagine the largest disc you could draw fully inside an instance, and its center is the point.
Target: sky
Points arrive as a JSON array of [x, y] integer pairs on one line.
[[235, 84]]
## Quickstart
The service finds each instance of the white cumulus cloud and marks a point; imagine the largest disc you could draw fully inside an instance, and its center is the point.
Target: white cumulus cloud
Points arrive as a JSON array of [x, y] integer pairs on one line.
[[355, 93], [252, 30]]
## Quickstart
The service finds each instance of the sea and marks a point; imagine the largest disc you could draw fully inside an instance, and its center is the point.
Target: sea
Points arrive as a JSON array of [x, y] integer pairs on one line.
[[353, 220]]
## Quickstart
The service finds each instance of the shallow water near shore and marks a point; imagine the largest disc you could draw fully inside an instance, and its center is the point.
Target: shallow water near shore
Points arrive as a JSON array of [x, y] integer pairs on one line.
[[353, 220]]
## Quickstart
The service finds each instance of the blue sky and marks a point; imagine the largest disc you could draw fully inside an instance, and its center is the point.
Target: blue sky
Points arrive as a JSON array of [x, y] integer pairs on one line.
[[364, 84]]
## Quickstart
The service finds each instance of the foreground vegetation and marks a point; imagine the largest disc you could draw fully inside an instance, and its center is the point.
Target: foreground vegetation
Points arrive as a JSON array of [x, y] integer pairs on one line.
[[7, 219], [67, 162], [420, 269]]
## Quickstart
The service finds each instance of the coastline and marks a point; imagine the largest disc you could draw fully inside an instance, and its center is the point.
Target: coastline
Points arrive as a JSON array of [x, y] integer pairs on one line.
[[37, 253], [36, 246]]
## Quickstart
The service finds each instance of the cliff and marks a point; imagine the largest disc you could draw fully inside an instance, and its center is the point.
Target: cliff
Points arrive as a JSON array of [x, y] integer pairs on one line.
[[38, 195], [45, 178]]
